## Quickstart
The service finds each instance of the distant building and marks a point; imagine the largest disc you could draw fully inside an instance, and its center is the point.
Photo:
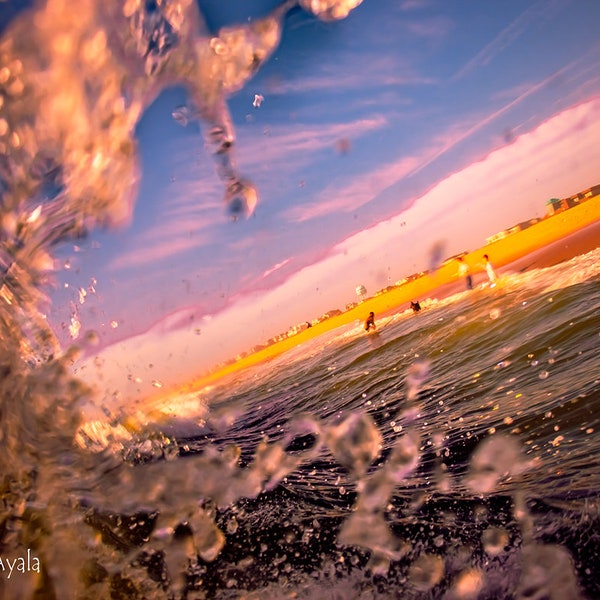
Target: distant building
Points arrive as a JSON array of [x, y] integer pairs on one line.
[[385, 290], [331, 313], [556, 205], [589, 193], [514, 229], [553, 206], [497, 236]]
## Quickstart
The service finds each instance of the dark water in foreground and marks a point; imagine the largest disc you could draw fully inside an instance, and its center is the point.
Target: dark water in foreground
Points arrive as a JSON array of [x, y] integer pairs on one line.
[[453, 455], [487, 482]]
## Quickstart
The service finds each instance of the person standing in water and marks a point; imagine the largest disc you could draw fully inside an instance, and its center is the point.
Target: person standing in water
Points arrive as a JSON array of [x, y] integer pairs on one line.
[[370, 322], [489, 269], [416, 307], [464, 271]]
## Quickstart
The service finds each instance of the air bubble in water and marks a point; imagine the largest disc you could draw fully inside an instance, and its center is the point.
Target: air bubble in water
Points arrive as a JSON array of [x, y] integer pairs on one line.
[[240, 198]]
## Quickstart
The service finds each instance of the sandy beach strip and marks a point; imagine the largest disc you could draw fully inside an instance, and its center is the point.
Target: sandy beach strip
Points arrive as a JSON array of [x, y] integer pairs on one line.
[[551, 241]]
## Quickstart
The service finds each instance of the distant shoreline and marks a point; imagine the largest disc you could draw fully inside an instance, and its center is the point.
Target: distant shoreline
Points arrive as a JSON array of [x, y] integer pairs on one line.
[[548, 242]]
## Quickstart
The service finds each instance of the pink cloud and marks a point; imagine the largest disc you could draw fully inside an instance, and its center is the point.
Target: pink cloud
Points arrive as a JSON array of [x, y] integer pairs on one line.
[[552, 160], [366, 187]]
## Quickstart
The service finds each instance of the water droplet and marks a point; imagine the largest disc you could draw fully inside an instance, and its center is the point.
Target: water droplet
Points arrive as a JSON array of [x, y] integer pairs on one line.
[[494, 314], [543, 375], [496, 457], [416, 376], [494, 539], [436, 255], [182, 115], [232, 525], [240, 198], [468, 585], [426, 572], [404, 458], [92, 338], [329, 10], [355, 442], [74, 327]]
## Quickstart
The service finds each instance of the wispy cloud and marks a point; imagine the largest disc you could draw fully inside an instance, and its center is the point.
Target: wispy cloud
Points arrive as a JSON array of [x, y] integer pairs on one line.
[[541, 10], [409, 5], [155, 252], [275, 268], [300, 142], [360, 191], [186, 222], [431, 29], [532, 168], [366, 187], [369, 71], [461, 133]]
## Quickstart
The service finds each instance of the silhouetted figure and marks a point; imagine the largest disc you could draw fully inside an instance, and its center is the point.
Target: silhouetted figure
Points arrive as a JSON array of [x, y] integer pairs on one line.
[[416, 307], [464, 271], [370, 322]]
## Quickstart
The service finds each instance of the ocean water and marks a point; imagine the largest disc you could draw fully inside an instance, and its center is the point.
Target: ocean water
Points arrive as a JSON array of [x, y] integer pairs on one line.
[[451, 455]]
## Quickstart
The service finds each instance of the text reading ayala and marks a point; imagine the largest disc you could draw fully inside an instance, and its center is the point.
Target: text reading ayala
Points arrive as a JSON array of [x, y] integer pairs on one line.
[[19, 564]]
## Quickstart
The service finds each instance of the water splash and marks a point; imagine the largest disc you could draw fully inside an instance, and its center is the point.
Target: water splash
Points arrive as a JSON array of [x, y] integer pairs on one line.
[[495, 459], [355, 442], [73, 86]]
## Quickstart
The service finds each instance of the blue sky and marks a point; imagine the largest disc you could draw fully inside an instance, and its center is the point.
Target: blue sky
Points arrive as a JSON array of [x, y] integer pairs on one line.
[[409, 123]]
